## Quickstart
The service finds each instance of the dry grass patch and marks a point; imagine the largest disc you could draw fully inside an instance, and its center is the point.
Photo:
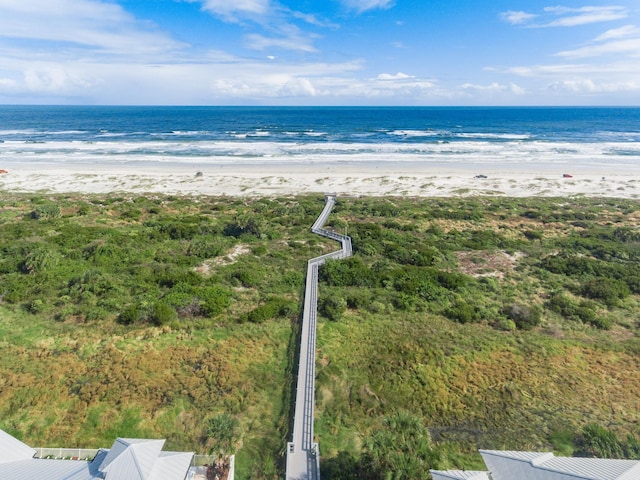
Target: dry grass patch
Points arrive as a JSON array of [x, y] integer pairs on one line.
[[487, 263], [229, 259]]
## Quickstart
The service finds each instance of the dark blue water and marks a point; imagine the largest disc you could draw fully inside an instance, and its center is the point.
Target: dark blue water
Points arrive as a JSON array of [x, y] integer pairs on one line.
[[219, 135]]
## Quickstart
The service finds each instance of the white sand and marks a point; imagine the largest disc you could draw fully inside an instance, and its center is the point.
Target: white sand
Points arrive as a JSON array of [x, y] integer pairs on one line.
[[262, 180]]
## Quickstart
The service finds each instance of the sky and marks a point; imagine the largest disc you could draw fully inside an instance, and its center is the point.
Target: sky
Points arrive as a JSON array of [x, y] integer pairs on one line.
[[320, 52]]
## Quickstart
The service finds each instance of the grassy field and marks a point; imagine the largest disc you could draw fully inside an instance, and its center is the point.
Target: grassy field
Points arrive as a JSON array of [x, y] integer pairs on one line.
[[495, 322]]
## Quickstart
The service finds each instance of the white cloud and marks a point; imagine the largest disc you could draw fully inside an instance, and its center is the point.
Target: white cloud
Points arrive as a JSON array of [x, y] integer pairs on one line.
[[626, 31], [216, 82], [590, 86], [276, 24], [49, 78], [560, 16], [81, 24], [314, 20], [630, 46], [256, 41], [494, 87], [571, 17], [607, 65], [232, 9], [623, 41], [621, 69], [364, 5], [397, 76], [517, 18], [316, 82], [297, 87], [7, 84]]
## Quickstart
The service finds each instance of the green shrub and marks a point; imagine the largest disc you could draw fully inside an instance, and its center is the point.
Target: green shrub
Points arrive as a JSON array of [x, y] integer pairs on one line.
[[596, 441], [376, 307], [175, 275], [562, 305], [583, 311], [563, 441], [608, 290], [204, 247], [462, 312], [532, 235], [332, 307], [525, 317], [162, 314], [214, 300], [248, 277], [131, 214], [600, 322], [46, 211], [246, 225], [39, 260], [130, 315], [400, 450], [348, 272], [36, 306], [274, 307]]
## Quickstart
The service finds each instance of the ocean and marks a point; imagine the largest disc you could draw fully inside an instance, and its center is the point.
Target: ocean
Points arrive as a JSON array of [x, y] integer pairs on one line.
[[501, 137]]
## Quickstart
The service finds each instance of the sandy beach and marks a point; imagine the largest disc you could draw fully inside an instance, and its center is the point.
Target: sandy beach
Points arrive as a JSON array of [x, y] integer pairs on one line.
[[262, 180]]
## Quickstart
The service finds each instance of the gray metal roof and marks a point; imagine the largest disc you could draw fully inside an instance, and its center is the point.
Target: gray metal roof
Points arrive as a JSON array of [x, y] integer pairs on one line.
[[12, 449], [517, 455], [128, 459], [36, 468], [171, 465], [459, 475], [574, 467], [593, 468], [132, 459]]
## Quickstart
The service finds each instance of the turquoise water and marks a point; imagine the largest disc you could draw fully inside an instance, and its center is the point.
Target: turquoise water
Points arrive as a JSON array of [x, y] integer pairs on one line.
[[263, 135]]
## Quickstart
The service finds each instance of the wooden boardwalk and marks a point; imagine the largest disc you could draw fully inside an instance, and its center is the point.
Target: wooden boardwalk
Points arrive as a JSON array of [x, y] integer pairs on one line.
[[303, 456]]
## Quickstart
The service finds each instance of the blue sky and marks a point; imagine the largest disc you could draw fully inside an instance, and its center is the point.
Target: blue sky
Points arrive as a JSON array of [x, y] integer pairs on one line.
[[320, 52]]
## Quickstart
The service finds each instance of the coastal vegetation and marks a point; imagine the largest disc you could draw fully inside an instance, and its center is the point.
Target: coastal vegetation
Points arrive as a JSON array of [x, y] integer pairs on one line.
[[465, 322]]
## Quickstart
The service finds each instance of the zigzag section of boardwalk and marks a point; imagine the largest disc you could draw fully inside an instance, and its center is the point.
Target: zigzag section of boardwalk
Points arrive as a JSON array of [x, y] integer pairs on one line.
[[303, 457]]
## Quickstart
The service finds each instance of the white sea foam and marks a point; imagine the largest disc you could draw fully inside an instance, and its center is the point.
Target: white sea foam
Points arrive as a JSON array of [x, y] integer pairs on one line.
[[417, 133], [503, 136], [190, 133], [315, 134], [330, 153], [17, 132], [112, 135]]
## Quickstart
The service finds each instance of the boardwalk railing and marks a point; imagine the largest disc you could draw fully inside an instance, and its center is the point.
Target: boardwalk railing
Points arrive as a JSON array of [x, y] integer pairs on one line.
[[303, 455], [66, 453]]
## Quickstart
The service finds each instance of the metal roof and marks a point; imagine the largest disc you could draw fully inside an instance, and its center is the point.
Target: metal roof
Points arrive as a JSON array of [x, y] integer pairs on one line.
[[12, 449], [171, 465], [132, 459], [573, 467], [128, 459], [459, 475], [517, 455], [36, 468], [593, 468]]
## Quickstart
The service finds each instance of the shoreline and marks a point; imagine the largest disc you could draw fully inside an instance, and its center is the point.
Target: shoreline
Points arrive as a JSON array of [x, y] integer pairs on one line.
[[380, 179]]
